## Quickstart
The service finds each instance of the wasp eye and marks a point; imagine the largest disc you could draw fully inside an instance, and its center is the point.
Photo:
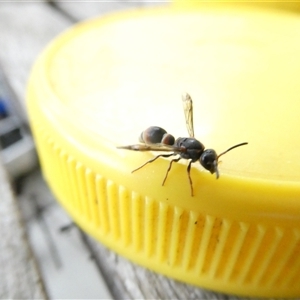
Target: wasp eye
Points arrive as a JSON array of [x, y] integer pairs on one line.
[[208, 160]]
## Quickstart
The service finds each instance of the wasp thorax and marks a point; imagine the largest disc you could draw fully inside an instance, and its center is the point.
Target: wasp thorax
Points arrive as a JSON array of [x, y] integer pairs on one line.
[[156, 135], [190, 148], [209, 160]]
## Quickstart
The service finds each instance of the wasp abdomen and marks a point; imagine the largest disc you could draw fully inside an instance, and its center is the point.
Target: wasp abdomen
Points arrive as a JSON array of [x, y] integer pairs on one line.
[[156, 135]]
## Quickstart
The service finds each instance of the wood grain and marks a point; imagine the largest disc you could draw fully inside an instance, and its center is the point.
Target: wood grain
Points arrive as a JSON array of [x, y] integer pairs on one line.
[[25, 30], [19, 275]]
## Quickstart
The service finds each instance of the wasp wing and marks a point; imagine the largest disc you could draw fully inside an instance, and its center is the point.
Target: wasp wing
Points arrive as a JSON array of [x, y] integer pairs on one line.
[[152, 147], [188, 113]]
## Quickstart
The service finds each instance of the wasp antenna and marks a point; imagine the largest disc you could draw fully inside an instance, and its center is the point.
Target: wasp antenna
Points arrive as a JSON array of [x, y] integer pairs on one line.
[[235, 146]]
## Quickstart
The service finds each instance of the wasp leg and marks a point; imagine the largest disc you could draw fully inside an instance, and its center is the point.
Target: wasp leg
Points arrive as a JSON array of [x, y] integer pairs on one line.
[[170, 166], [189, 176], [152, 160]]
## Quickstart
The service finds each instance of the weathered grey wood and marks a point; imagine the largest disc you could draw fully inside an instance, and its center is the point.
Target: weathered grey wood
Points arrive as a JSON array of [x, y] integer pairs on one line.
[[19, 275], [65, 263], [25, 29]]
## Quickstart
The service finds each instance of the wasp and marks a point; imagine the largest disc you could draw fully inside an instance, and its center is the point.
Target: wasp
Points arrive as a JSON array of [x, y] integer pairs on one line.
[[156, 138]]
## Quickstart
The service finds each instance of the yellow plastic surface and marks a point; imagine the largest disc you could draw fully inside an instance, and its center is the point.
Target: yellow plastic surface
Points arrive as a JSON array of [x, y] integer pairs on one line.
[[287, 5], [101, 83]]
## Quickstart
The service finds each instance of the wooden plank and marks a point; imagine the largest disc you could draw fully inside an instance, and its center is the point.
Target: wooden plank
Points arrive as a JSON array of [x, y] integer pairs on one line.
[[25, 29], [63, 259], [19, 275]]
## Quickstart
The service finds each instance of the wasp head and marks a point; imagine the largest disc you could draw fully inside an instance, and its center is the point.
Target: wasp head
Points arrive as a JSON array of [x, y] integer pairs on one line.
[[209, 161]]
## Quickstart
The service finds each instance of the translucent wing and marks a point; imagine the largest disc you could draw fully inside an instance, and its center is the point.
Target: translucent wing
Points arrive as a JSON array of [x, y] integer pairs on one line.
[[188, 113], [152, 147]]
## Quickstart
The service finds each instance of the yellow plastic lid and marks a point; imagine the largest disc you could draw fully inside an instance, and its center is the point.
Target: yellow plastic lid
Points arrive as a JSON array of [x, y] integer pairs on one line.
[[103, 82]]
